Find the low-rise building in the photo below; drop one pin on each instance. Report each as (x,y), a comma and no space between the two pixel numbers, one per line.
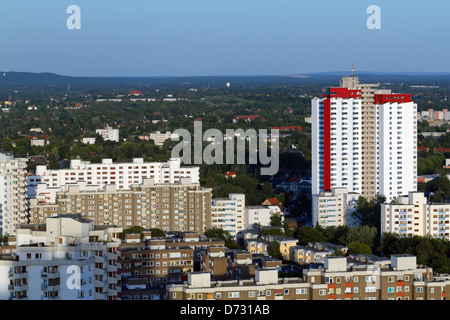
(413,215)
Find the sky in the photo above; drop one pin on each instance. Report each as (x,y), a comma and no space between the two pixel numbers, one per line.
(216,37)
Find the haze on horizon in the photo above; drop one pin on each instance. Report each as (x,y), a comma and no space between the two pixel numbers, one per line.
(211,38)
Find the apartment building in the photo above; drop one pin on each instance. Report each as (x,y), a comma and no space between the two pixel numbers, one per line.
(68,258)
(368,126)
(336,280)
(364,140)
(335,208)
(183,206)
(259,215)
(336,140)
(396,145)
(97,175)
(157,263)
(13,193)
(108,134)
(159,138)
(307,255)
(412,215)
(228,213)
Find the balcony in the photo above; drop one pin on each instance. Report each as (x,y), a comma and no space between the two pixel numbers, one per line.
(18,288)
(50,275)
(111,268)
(99,272)
(21,275)
(55,287)
(99,259)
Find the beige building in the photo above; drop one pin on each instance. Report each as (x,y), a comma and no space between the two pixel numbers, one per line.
(368,129)
(337,280)
(183,206)
(412,215)
(13,195)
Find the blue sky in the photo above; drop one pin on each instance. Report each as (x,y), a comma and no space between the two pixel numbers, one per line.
(214,37)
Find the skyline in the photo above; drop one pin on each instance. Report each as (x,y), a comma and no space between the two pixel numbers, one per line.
(199,38)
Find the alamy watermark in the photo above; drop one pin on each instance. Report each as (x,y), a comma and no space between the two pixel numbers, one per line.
(214,152)
(74,20)
(374,21)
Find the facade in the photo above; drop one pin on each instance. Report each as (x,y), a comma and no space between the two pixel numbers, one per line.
(228,213)
(13,196)
(259,215)
(336,280)
(108,134)
(412,216)
(183,206)
(335,208)
(157,263)
(67,258)
(368,127)
(88,140)
(365,140)
(159,138)
(396,141)
(96,175)
(336,143)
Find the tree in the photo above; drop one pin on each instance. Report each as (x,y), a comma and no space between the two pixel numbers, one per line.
(307,234)
(218,233)
(275,220)
(363,234)
(156,232)
(273,250)
(359,248)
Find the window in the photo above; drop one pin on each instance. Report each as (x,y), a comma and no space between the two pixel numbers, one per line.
(419,289)
(233,295)
(391,290)
(251,294)
(322,292)
(300,291)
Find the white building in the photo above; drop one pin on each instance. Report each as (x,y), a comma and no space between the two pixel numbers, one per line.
(88,140)
(396,142)
(412,216)
(259,215)
(65,259)
(342,158)
(228,213)
(13,194)
(99,174)
(159,138)
(336,145)
(335,208)
(109,134)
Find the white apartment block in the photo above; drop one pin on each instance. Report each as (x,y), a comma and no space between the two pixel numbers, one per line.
(97,175)
(88,140)
(412,216)
(380,158)
(159,138)
(108,134)
(335,208)
(336,145)
(396,142)
(228,213)
(65,259)
(259,215)
(13,193)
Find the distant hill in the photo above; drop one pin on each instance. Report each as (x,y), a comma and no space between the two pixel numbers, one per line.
(21,79)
